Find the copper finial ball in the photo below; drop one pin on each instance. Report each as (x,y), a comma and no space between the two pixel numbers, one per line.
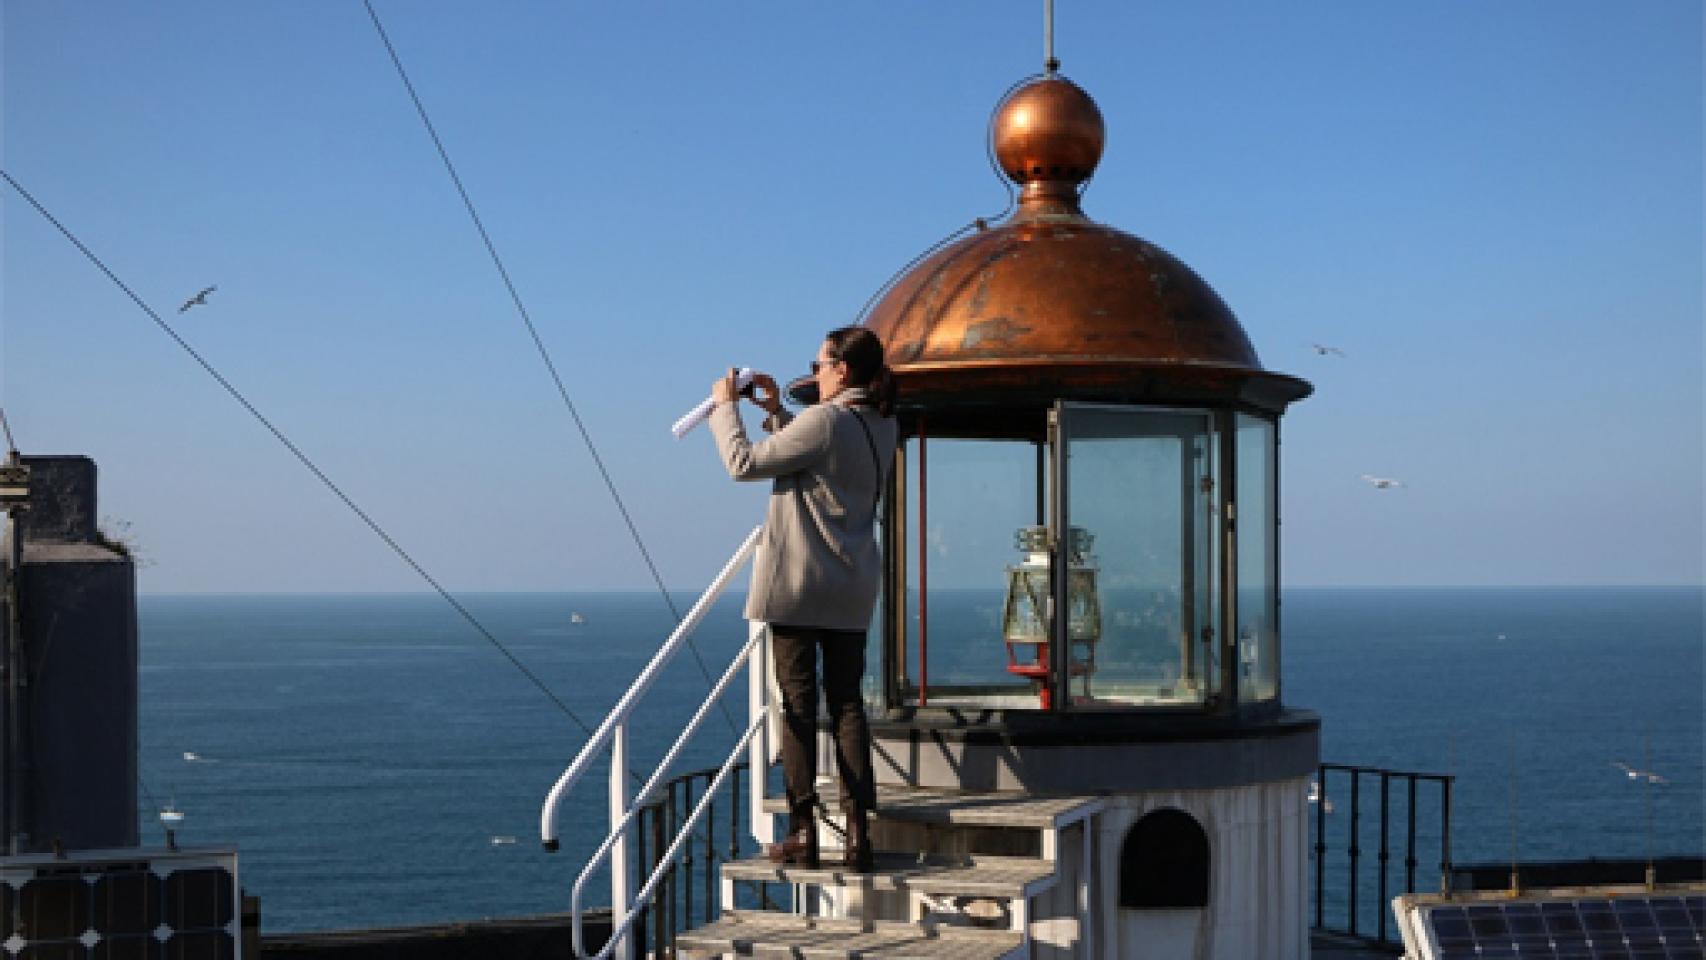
(1048,129)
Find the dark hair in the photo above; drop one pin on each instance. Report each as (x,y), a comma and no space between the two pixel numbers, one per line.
(862,351)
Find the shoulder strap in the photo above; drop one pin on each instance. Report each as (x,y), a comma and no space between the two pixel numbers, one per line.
(876,459)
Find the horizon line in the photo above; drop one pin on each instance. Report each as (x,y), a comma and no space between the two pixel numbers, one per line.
(642,591)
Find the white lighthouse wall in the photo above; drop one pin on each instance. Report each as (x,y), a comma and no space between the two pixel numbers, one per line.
(1055,916)
(1258,900)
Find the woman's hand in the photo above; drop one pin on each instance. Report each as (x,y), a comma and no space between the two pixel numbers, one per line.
(762,389)
(723,389)
(765,393)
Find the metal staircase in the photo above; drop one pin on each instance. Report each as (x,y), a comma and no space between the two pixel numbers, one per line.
(958,876)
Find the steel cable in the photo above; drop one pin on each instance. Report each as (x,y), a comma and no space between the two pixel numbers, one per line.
(297,452)
(539,344)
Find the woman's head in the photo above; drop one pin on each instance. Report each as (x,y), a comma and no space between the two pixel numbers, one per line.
(853,357)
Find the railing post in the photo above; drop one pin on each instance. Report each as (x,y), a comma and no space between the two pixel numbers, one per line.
(687,857)
(1385,852)
(734,819)
(1355,848)
(758,752)
(660,916)
(1410,845)
(1320,845)
(644,868)
(1445,837)
(620,890)
(710,854)
(670,887)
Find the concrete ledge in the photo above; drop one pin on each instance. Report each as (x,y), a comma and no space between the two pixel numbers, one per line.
(520,938)
(1085,754)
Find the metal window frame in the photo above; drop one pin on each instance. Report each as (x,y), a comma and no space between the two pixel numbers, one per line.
(1215,419)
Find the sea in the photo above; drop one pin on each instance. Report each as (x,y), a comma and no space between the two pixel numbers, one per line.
(377,761)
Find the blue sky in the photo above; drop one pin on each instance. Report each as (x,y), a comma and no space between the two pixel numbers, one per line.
(1494,209)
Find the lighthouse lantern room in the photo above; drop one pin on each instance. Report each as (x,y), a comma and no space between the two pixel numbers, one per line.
(1082,545)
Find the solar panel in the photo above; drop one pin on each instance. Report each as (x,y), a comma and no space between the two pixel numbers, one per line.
(1622,925)
(121,905)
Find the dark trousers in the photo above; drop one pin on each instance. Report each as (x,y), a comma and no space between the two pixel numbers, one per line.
(795,652)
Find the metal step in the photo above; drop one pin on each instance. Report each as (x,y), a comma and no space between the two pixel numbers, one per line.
(978,876)
(780,935)
(998,809)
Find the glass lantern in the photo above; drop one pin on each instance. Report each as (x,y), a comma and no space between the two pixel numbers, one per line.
(1026,613)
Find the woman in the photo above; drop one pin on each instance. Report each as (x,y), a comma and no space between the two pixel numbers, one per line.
(817,571)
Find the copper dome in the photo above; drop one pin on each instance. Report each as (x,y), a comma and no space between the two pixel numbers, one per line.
(1049,303)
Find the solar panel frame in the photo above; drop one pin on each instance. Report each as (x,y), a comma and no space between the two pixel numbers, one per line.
(1625,925)
(97,905)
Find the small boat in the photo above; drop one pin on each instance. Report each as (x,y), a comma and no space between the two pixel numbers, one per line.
(190,756)
(170,815)
(502,841)
(576,618)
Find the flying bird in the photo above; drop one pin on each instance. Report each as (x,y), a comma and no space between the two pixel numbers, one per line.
(1316,796)
(1324,350)
(199,300)
(1635,774)
(1383,483)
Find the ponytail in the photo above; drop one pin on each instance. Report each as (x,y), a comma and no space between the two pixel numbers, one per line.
(882,391)
(862,351)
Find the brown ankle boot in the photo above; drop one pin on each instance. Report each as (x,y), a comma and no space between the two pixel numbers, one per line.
(859,856)
(798,848)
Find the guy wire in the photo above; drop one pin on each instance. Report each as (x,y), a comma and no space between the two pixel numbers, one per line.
(297,452)
(10,443)
(544,355)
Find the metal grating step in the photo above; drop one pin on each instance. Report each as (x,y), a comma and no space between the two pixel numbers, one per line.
(978,876)
(918,805)
(778,935)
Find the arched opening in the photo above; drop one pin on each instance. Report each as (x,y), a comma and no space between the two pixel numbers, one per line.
(1164,862)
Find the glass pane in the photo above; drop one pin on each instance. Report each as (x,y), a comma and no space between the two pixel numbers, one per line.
(1258,567)
(1140,483)
(871,684)
(978,494)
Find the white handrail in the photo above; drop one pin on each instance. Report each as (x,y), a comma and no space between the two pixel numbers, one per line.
(665,862)
(613,732)
(620,829)
(625,706)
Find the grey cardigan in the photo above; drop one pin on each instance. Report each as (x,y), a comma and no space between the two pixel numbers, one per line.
(818,563)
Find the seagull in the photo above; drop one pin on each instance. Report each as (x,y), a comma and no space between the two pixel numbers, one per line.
(199,300)
(1635,774)
(1383,483)
(1324,350)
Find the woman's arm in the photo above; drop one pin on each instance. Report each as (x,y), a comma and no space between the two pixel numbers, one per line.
(801,443)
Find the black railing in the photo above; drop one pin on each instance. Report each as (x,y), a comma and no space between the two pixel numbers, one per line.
(1348,828)
(690,893)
